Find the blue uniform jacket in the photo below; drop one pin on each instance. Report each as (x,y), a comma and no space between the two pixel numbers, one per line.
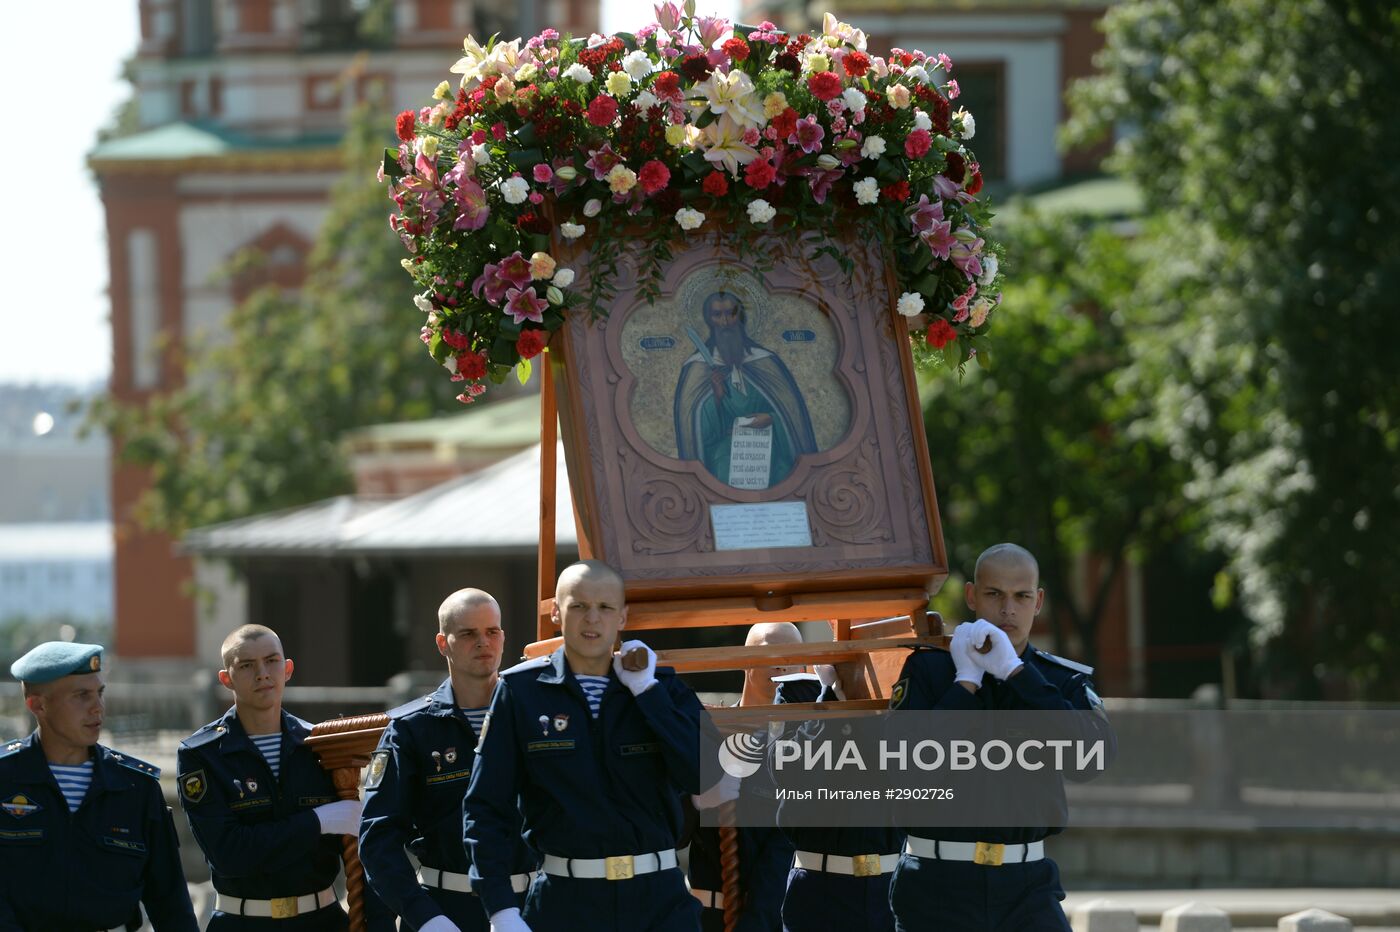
(586,788)
(259,835)
(88,869)
(1046,682)
(414,789)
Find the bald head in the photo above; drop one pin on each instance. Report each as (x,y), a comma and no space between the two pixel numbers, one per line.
(245,635)
(462,604)
(1006,557)
(591,572)
(775,632)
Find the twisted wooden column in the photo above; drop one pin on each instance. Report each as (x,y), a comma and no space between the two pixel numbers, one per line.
(344,746)
(729,865)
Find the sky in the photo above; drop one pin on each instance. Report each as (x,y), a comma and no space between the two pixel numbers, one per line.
(53,281)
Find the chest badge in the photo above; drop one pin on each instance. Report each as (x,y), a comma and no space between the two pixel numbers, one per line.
(252,785)
(544,725)
(193,786)
(561,722)
(450,755)
(20,806)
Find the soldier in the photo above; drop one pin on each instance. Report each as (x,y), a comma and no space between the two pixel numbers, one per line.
(595,748)
(765,854)
(86,837)
(418,776)
(990,878)
(262,809)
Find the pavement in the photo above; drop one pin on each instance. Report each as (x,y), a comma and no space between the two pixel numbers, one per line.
(1375,910)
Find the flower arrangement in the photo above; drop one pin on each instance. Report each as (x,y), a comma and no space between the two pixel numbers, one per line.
(689,127)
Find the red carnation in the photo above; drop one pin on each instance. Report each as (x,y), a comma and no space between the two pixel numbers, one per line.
(736,48)
(785,123)
(531,343)
(917,143)
(897,192)
(760,174)
(975,185)
(956,169)
(824,85)
(602,110)
(471,365)
(403,125)
(654,176)
(667,84)
(856,63)
(696,67)
(787,62)
(940,334)
(715,184)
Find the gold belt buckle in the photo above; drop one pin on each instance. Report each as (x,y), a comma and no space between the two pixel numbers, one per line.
(284,907)
(866,865)
(989,853)
(619,867)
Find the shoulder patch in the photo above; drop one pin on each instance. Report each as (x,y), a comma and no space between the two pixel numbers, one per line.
(1067,664)
(132,763)
(408,708)
(898,692)
(525,665)
(193,786)
(374,773)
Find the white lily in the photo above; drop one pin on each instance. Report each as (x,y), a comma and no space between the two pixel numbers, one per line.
(831,26)
(732,95)
(469,65)
(724,145)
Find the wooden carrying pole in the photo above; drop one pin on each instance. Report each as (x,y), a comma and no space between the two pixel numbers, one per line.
(344,746)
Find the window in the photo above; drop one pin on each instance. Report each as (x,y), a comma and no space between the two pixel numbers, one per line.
(983,88)
(197,27)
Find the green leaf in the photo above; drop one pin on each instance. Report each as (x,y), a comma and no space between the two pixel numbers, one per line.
(706,118)
(952,353)
(522,371)
(392,168)
(525,158)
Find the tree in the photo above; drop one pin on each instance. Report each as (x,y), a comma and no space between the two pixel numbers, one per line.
(1263,135)
(258,422)
(1042,446)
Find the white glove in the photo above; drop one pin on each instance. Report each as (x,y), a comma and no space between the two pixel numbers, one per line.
(722,792)
(342,818)
(638,681)
(440,924)
(1001,661)
(827,674)
(508,920)
(965,636)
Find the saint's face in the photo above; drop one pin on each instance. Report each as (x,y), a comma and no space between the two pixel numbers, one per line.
(723,313)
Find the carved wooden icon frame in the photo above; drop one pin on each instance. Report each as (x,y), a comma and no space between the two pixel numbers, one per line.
(865,489)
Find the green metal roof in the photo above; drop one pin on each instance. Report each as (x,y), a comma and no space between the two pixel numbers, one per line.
(192,141)
(508,423)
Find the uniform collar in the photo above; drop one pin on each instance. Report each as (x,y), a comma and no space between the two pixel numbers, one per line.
(444,700)
(29,762)
(237,736)
(557,671)
(34,767)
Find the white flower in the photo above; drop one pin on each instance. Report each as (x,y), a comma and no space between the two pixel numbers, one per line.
(968,123)
(563,278)
(515,190)
(570,230)
(911,304)
(592,208)
(421,302)
(855,99)
(637,65)
(867,191)
(917,73)
(527,73)
(733,95)
(689,218)
(827,162)
(921,120)
(873,147)
(989,269)
(450,363)
(645,101)
(481,155)
(760,211)
(621,179)
(579,73)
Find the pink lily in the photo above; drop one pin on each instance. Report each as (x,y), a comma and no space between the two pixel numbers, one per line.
(523,304)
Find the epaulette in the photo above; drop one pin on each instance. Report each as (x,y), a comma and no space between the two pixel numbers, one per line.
(524,665)
(1067,664)
(204,736)
(408,708)
(133,763)
(11,748)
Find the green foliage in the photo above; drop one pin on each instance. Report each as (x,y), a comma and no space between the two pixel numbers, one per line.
(1264,137)
(1042,447)
(267,398)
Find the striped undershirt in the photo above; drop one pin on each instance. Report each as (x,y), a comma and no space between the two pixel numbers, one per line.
(73,781)
(476,718)
(593,687)
(271,748)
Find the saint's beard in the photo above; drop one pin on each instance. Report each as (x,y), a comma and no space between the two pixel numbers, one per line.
(731,345)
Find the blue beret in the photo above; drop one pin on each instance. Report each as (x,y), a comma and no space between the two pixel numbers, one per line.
(56,659)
